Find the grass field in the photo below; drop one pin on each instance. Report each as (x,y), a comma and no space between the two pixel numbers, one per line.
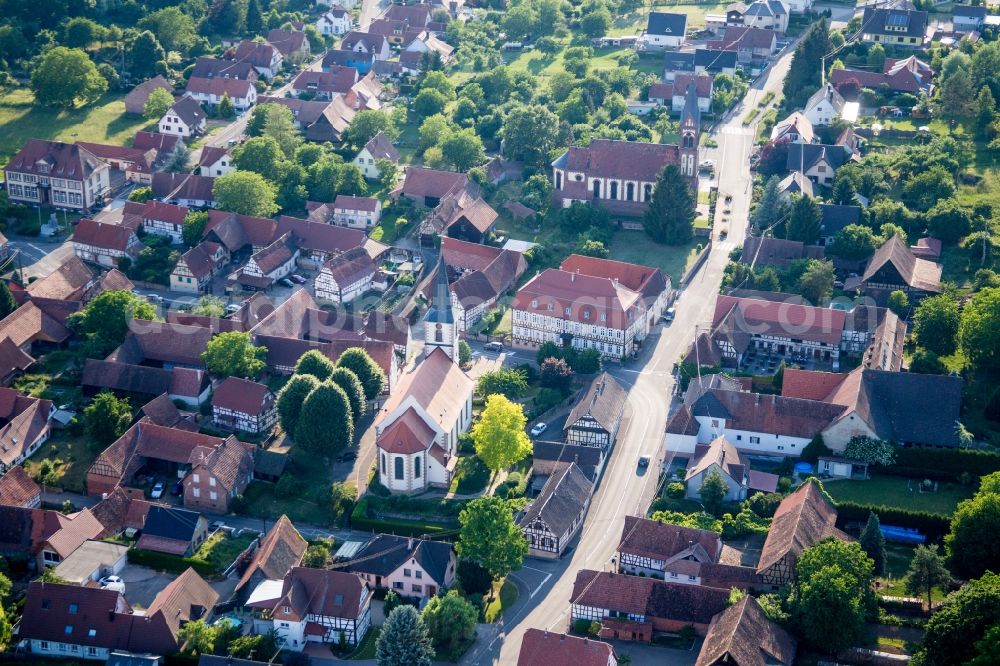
(366,650)
(899,492)
(222,550)
(893,584)
(75,456)
(502,600)
(103,122)
(471,476)
(635,247)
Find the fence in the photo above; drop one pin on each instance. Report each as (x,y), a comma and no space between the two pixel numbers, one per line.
(698,263)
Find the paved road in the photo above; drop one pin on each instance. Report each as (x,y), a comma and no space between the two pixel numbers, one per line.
(623,490)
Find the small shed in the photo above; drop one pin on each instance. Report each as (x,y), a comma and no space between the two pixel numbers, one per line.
(834,467)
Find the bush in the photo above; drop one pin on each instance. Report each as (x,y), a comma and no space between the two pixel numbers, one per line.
(942,464)
(472,578)
(676,490)
(361,520)
(933,525)
(765,504)
(169,563)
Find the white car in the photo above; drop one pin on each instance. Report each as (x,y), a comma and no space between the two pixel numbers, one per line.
(538,429)
(157,491)
(114,583)
(707,165)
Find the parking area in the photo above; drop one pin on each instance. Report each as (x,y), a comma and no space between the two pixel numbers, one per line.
(765,363)
(143,584)
(488,361)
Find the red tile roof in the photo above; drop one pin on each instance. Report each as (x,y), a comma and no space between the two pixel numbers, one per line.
(336,81)
(164,212)
(782,319)
(810,384)
(347,202)
(187,597)
(650,538)
(243,395)
(802,519)
(235,88)
(66,283)
(154,140)
(422,182)
(19,489)
(743,635)
(407,434)
(589,300)
(552,649)
(53,159)
(101,235)
(689,604)
(630,160)
(281,549)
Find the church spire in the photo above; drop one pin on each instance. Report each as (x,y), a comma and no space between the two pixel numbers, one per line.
(440,311)
(440,329)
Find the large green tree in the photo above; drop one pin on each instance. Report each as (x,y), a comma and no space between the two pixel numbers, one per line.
(463,150)
(972,544)
(62,77)
(670,213)
(771,207)
(107,418)
(928,570)
(174,29)
(157,104)
(366,124)
(490,537)
(451,621)
(7,302)
(232,354)
(145,53)
(290,400)
(713,492)
(315,363)
(507,381)
(979,330)
(246,193)
(499,434)
(404,640)
(372,377)
(530,133)
(804,220)
(349,382)
(962,620)
(194,227)
(104,321)
(873,542)
(325,425)
(816,283)
(803,76)
(936,323)
(81,33)
(854,242)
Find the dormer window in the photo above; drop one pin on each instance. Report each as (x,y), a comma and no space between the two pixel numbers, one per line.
(286,610)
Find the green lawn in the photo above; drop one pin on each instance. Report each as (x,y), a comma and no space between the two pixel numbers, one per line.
(70,458)
(366,650)
(635,247)
(899,492)
(221,551)
(504,600)
(102,122)
(898,562)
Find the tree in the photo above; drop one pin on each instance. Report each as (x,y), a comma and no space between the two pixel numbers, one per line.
(104,321)
(325,425)
(804,220)
(366,124)
(450,621)
(979,331)
(669,216)
(972,545)
(107,418)
(870,450)
(352,387)
(174,29)
(957,91)
(962,620)
(144,55)
(506,381)
(279,124)
(530,133)
(290,400)
(854,242)
(816,283)
(596,22)
(771,207)
(713,492)
(157,104)
(873,543)
(490,537)
(499,434)
(210,306)
(263,155)
(368,371)
(520,21)
(388,174)
(255,19)
(927,570)
(922,191)
(429,102)
(463,149)
(226,108)
(926,362)
(316,556)
(197,637)
(593,248)
(803,76)
(227,17)
(987,648)
(232,354)
(81,32)
(948,221)
(936,324)
(194,227)
(245,193)
(404,640)
(986,111)
(899,303)
(315,363)
(555,373)
(7,302)
(64,77)
(464,353)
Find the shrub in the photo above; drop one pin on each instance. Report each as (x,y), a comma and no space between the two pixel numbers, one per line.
(676,490)
(472,578)
(933,525)
(942,464)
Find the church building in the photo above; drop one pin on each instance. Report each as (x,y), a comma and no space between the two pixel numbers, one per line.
(418,428)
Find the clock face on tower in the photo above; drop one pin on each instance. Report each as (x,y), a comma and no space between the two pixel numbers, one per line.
(438,335)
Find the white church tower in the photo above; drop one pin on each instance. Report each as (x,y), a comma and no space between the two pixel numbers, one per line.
(439,322)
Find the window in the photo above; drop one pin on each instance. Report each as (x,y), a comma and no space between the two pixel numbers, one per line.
(398,585)
(417,588)
(211,481)
(398,463)
(212,495)
(91,633)
(754,440)
(196,492)
(73,608)
(44,645)
(407,573)
(416,467)
(69,629)
(383,463)
(91,652)
(286,609)
(715,423)
(418,574)
(567,310)
(197,479)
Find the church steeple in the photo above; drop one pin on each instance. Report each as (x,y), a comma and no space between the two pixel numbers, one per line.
(690,128)
(439,322)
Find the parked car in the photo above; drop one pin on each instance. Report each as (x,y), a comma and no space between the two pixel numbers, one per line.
(539,429)
(285,282)
(157,491)
(493,347)
(347,456)
(114,583)
(707,165)
(176,489)
(643,461)
(668,316)
(296,278)
(233,308)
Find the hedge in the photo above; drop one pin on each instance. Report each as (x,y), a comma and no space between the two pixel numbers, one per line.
(942,464)
(169,563)
(933,525)
(361,520)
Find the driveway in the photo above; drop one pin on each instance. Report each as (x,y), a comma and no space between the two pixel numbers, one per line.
(143,584)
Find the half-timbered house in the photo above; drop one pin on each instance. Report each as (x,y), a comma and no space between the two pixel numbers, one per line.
(195,269)
(345,277)
(667,551)
(104,244)
(164,219)
(596,417)
(556,515)
(895,267)
(244,405)
(416,568)
(742,635)
(268,265)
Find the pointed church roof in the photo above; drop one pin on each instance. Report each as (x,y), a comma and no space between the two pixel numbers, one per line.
(440,311)
(691,109)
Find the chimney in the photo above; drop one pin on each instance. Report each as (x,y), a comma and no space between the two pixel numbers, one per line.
(409,543)
(572,277)
(104,496)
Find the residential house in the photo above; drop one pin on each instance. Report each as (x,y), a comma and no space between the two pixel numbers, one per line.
(135,100)
(104,243)
(538,646)
(825,107)
(632,607)
(752,45)
(461,214)
(597,415)
(345,277)
(274,556)
(418,15)
(364,42)
(173,531)
(673,95)
(92,561)
(292,44)
(666,551)
(356,212)
(322,120)
(135,165)
(699,61)
(222,68)
(263,56)
(184,189)
(325,85)
(215,161)
(58,536)
(621,175)
(268,265)
(335,21)
(241,92)
(665,30)
(13,361)
(163,144)
(767,14)
(188,385)
(425,42)
(796,128)
(795,183)
(315,606)
(414,568)
(363,61)
(553,519)
(220,475)
(185,118)
(818,162)
(379,147)
(33,330)
(244,405)
(733,466)
(907,75)
(777,252)
(803,519)
(17,488)
(894,26)
(426,187)
(57,174)
(833,219)
(478,276)
(968,18)
(652,283)
(196,268)
(163,344)
(24,426)
(163,219)
(742,635)
(894,267)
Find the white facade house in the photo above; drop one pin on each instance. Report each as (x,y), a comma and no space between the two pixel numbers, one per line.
(163,219)
(345,277)
(104,244)
(185,118)
(379,147)
(825,107)
(242,93)
(415,568)
(665,30)
(215,162)
(356,212)
(57,174)
(337,21)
